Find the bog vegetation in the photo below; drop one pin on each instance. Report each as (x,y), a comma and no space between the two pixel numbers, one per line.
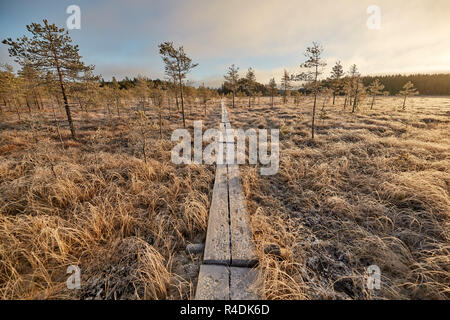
(86,177)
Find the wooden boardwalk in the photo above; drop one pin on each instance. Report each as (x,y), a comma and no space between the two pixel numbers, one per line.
(230,255)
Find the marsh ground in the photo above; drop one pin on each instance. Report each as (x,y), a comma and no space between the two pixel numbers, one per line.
(372,188)
(99,203)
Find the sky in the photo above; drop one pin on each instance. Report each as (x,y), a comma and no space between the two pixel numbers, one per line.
(121,37)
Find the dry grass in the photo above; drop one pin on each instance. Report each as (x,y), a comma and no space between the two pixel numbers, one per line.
(373,188)
(97,203)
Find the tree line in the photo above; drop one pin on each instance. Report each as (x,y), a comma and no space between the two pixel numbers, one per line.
(427,84)
(350,85)
(51,67)
(52,72)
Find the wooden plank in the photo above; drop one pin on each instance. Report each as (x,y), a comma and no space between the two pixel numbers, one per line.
(213,283)
(224,136)
(224,115)
(243,284)
(243,253)
(217,245)
(227,126)
(230,147)
(229,247)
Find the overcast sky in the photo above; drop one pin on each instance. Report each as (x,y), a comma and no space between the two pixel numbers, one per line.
(121,37)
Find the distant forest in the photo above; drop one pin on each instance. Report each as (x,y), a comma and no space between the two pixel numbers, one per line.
(427,84)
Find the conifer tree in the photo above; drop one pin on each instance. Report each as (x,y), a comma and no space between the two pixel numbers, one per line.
(375,89)
(116,94)
(142,91)
(85,92)
(50,49)
(204,95)
(250,84)
(314,66)
(408,90)
(297,97)
(30,80)
(232,78)
(272,89)
(355,85)
(177,66)
(7,87)
(347,89)
(286,84)
(336,79)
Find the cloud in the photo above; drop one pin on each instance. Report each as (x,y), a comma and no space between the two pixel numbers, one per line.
(264,34)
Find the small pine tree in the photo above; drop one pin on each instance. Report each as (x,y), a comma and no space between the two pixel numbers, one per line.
(347,89)
(408,90)
(177,66)
(250,84)
(297,97)
(355,86)
(9,88)
(326,93)
(375,89)
(359,93)
(30,78)
(142,91)
(50,49)
(286,80)
(232,78)
(313,65)
(336,79)
(205,96)
(272,89)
